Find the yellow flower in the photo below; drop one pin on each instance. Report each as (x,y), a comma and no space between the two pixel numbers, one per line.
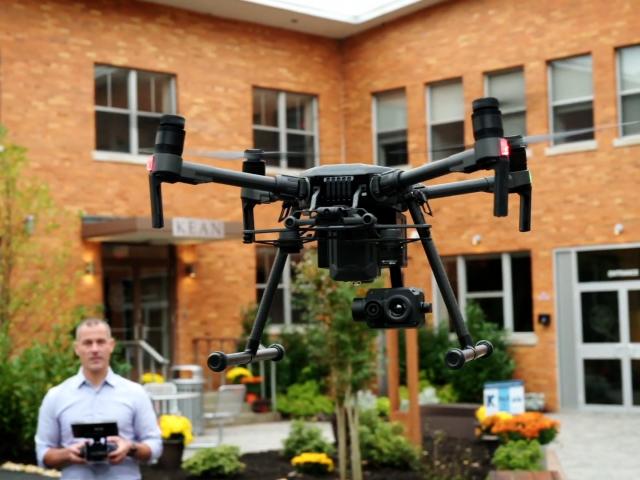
(307,459)
(178,425)
(481,413)
(237,373)
(151,377)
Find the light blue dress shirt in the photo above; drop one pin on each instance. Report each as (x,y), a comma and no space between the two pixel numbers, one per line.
(76,400)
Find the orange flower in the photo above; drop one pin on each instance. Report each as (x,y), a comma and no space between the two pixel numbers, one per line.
(527,426)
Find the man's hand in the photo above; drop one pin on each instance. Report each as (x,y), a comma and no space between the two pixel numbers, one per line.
(122,449)
(75,453)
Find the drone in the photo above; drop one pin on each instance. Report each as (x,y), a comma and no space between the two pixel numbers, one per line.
(355,213)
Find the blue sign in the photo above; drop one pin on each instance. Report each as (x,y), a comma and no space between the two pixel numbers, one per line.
(507,396)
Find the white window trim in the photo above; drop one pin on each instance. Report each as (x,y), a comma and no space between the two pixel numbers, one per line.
(571,147)
(376,132)
(431,123)
(282,131)
(285,286)
(133,155)
(619,96)
(560,103)
(627,140)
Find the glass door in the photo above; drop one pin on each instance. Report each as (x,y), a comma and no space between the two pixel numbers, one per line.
(608,346)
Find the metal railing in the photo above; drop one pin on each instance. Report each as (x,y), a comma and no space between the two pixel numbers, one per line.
(144,358)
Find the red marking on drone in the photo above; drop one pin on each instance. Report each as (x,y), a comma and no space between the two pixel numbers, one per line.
(151,163)
(504,147)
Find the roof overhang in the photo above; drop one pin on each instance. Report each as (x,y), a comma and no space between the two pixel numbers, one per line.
(178,230)
(317,19)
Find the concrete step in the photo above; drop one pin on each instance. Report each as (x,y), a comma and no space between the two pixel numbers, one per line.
(246,417)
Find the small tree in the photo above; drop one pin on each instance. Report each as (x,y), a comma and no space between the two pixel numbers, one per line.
(346,347)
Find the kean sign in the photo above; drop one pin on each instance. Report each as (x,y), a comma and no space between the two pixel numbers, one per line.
(505,396)
(197,228)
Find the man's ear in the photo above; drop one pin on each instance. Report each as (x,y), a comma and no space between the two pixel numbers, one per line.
(75,347)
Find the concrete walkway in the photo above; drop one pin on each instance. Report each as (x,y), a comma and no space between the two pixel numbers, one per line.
(596,446)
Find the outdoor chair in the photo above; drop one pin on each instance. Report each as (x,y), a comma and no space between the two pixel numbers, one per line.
(164,397)
(228,406)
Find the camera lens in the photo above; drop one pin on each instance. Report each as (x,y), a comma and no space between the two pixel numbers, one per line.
(373,309)
(398,308)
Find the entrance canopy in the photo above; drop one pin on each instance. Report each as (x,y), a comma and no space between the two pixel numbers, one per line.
(177,230)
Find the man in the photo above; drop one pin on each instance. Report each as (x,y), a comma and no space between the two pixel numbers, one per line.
(96,395)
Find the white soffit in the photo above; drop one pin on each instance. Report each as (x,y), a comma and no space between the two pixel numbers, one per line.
(329,18)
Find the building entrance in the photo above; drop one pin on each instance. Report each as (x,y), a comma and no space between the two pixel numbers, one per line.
(606,313)
(138,288)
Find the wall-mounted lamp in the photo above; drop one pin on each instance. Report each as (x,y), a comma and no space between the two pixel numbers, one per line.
(476,239)
(190,270)
(544,319)
(89,268)
(618,228)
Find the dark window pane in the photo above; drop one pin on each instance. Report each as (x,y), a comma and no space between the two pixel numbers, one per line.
(300,151)
(573,117)
(154,92)
(265,256)
(634,315)
(514,124)
(446,139)
(600,321)
(265,107)
(392,148)
(299,111)
(603,381)
(613,265)
(119,88)
(276,314)
(268,141)
(631,113)
(112,132)
(492,308)
(484,274)
(635,380)
(521,288)
(147,127)
(101,75)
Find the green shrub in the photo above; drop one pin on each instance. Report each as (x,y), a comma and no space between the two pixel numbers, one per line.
(384,445)
(304,400)
(305,438)
(220,461)
(518,455)
(383,407)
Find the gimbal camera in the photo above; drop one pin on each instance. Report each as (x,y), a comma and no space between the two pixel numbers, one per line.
(355,213)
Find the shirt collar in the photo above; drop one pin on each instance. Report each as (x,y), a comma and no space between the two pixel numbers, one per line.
(111,379)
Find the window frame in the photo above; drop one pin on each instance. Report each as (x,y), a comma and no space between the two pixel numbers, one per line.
(282,130)
(620,94)
(376,132)
(430,123)
(576,100)
(508,111)
(132,112)
(506,294)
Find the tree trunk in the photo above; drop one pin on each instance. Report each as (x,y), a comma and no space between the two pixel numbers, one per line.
(354,437)
(342,440)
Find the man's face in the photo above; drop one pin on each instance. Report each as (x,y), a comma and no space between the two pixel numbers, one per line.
(94,347)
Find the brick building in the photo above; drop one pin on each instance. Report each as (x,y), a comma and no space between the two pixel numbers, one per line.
(82,85)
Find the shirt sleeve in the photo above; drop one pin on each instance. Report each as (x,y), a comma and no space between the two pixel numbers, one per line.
(48,432)
(146,427)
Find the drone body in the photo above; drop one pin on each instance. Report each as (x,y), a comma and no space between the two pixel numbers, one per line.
(355,213)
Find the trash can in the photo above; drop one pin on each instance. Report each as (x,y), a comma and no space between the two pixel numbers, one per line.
(190,394)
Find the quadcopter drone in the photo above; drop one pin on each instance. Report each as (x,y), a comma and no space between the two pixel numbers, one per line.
(355,214)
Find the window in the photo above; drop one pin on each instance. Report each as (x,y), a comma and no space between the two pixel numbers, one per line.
(500,284)
(129,104)
(572,98)
(282,312)
(285,122)
(446,119)
(629,90)
(390,114)
(508,88)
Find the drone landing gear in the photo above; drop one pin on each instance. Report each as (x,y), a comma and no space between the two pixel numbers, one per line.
(456,357)
(289,242)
